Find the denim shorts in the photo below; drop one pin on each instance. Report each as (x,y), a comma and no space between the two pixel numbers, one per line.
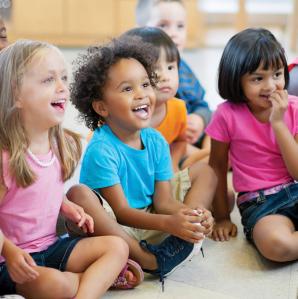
(284,202)
(56,256)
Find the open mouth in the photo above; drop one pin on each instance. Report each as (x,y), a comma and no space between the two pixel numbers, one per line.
(60,104)
(141,111)
(265,97)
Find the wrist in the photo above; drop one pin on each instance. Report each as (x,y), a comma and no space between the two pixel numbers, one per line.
(165,223)
(278,125)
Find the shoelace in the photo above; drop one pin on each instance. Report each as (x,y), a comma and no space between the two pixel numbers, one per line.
(161,275)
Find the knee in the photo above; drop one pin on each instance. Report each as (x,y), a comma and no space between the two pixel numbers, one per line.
(201,170)
(277,249)
(79,193)
(118,246)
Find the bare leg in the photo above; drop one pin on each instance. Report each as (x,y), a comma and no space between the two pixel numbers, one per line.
(195,156)
(203,186)
(105,225)
(276,238)
(92,257)
(66,285)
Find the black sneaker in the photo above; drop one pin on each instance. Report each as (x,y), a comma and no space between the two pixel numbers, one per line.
(170,254)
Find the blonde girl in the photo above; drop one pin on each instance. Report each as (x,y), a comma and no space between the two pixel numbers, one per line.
(37,156)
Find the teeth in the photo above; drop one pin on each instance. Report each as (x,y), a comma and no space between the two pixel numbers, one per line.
(140,107)
(58,102)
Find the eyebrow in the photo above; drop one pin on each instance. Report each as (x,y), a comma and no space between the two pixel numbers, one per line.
(129,81)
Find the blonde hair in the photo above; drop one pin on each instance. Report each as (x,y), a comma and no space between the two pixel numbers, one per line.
(144,7)
(67,146)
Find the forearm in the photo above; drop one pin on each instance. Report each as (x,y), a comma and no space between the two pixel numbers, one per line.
(141,219)
(169,207)
(220,204)
(8,246)
(288,148)
(178,151)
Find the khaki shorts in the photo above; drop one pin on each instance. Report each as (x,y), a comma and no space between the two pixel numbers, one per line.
(180,185)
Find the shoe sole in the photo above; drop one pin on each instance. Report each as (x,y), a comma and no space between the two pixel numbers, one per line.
(182,263)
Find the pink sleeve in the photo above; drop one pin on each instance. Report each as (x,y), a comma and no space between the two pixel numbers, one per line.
(5,169)
(218,126)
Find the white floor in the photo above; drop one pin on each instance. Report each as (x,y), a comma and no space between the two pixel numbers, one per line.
(229,270)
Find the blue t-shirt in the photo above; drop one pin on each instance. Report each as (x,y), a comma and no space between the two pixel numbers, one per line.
(108,161)
(191,91)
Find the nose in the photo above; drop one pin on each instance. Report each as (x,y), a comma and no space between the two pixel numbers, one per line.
(140,93)
(163,76)
(171,32)
(61,85)
(270,84)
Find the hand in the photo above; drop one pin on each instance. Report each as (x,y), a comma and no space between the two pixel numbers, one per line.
(183,224)
(20,265)
(77,214)
(223,230)
(279,100)
(195,128)
(207,222)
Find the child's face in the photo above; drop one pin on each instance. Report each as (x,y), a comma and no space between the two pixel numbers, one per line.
(128,97)
(44,92)
(3,36)
(168,79)
(170,17)
(260,85)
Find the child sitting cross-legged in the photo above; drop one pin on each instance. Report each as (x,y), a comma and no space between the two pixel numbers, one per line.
(35,160)
(128,164)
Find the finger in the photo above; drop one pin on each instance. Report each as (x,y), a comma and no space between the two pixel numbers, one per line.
(221,236)
(215,236)
(30,265)
(234,231)
(19,275)
(90,224)
(29,259)
(82,220)
(226,234)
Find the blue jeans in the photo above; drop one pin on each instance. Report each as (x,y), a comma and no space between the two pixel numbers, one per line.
(284,202)
(56,256)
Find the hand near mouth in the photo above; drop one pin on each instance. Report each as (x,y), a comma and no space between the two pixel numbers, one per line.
(279,100)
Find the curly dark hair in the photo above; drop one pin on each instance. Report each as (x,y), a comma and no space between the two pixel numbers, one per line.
(92,70)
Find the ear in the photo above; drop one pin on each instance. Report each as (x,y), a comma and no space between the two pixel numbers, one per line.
(100,108)
(18,103)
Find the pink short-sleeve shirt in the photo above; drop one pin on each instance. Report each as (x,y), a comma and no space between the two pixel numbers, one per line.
(254,153)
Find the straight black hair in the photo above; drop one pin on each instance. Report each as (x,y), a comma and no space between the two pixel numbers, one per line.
(159,39)
(243,54)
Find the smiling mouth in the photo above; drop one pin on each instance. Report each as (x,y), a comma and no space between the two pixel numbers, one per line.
(58,104)
(142,111)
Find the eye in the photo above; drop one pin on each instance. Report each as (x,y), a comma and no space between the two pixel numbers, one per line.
(48,80)
(180,26)
(146,84)
(126,89)
(278,74)
(65,78)
(171,67)
(162,25)
(256,79)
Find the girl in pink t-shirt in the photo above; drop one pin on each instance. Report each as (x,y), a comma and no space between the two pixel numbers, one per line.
(36,157)
(257,128)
